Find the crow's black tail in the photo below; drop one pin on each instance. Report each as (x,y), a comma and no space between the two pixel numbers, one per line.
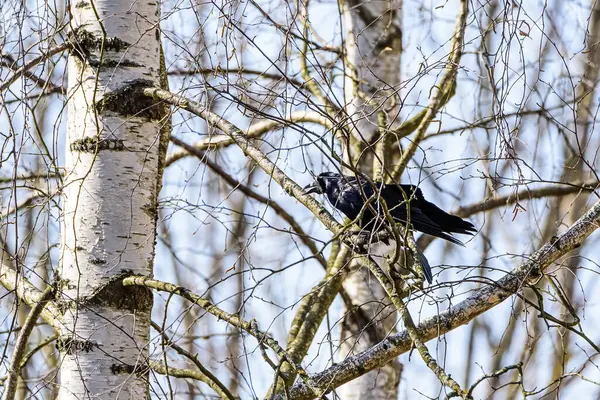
(426,267)
(421,222)
(447,222)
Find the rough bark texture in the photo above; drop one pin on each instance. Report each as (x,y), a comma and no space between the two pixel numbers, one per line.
(460,314)
(373,48)
(112,181)
(373,51)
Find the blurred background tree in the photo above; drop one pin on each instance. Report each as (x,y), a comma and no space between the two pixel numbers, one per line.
(488,106)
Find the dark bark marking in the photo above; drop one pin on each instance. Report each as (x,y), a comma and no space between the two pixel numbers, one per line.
(129,100)
(71,346)
(93,144)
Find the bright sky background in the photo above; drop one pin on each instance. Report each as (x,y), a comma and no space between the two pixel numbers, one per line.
(449,169)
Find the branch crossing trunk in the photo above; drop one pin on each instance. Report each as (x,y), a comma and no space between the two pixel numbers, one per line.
(112,180)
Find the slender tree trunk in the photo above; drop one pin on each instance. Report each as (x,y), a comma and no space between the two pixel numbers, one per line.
(373,48)
(112,179)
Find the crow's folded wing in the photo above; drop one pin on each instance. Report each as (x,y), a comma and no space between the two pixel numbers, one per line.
(425,214)
(422,223)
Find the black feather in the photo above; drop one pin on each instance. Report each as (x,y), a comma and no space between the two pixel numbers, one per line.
(406,204)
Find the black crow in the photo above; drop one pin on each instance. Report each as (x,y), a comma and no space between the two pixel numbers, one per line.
(349,195)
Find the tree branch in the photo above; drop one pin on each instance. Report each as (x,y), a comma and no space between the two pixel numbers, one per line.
(162,369)
(20,346)
(279,210)
(253,132)
(413,333)
(203,374)
(441,94)
(46,175)
(310,315)
(309,82)
(514,198)
(218,70)
(24,290)
(481,123)
(458,315)
(496,374)
(260,158)
(46,85)
(28,201)
(527,194)
(248,326)
(35,61)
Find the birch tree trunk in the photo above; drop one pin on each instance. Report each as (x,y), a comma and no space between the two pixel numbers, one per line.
(113,171)
(373,48)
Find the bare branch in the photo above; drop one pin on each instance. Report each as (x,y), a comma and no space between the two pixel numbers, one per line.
(203,374)
(515,198)
(496,374)
(35,61)
(189,373)
(29,200)
(309,82)
(260,158)
(527,194)
(255,131)
(441,93)
(10,179)
(24,290)
(413,333)
(248,326)
(21,344)
(311,313)
(279,210)
(460,314)
(481,123)
(237,71)
(46,85)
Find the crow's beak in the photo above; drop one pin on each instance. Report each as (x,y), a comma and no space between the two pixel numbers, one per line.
(312,188)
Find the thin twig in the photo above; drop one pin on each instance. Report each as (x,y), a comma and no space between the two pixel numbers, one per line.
(24,290)
(268,166)
(10,179)
(218,70)
(20,346)
(248,326)
(458,315)
(441,93)
(246,145)
(527,194)
(37,348)
(413,332)
(28,201)
(515,198)
(255,131)
(309,82)
(310,314)
(205,375)
(496,374)
(35,61)
(162,369)
(279,210)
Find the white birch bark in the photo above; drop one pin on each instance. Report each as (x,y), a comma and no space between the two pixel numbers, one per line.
(373,48)
(373,54)
(109,201)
